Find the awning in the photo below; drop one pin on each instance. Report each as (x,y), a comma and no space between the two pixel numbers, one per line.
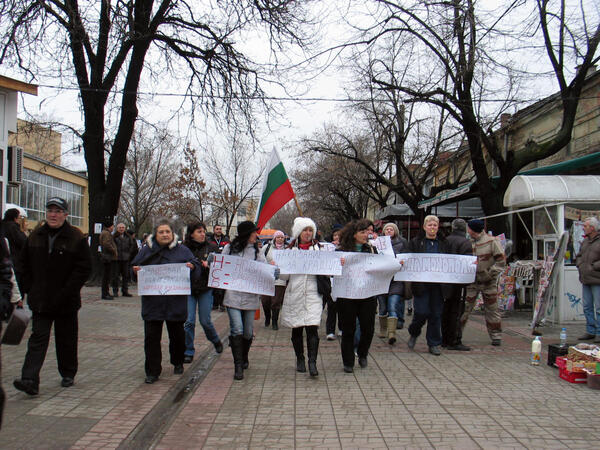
(573,166)
(468,208)
(400,209)
(446,195)
(528,190)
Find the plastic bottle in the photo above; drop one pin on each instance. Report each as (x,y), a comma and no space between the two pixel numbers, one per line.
(563,337)
(536,351)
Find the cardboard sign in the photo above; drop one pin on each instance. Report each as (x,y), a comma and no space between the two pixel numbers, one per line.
(383,244)
(244,275)
(437,268)
(364,275)
(308,262)
(164,279)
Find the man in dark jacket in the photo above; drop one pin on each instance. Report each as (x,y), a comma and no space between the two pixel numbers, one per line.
(126,248)
(428,297)
(588,265)
(55,264)
(109,256)
(458,244)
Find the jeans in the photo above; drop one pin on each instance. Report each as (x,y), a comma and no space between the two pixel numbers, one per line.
(349,310)
(204,303)
(591,301)
(428,308)
(241,321)
(389,306)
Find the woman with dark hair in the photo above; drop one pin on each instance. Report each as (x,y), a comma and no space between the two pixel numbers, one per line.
(303,303)
(162,248)
(201,297)
(242,305)
(355,238)
(272,304)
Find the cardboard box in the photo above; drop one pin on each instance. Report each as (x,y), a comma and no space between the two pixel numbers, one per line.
(580,366)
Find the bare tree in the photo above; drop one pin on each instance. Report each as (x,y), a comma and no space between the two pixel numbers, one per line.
(284,218)
(233,176)
(110,49)
(151,165)
(465,71)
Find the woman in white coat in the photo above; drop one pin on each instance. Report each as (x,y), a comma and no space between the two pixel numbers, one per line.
(302,303)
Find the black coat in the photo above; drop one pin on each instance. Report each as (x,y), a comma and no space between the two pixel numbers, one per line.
(165,307)
(53,280)
(201,250)
(399,245)
(417,245)
(458,244)
(16,238)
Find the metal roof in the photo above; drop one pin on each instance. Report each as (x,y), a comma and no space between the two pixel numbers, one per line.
(529,190)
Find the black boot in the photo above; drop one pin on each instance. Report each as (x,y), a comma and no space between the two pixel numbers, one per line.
(299,350)
(312,347)
(246,346)
(237,350)
(267,315)
(275,319)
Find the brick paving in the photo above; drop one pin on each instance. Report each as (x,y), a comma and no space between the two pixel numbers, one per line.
(487,398)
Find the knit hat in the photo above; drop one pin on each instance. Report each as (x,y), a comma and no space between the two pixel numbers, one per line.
(476,225)
(278,233)
(246,228)
(394,226)
(300,223)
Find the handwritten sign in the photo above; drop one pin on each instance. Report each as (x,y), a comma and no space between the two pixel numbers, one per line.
(244,275)
(164,279)
(327,246)
(364,275)
(383,244)
(308,262)
(437,268)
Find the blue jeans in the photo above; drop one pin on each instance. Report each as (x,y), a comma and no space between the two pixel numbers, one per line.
(241,321)
(428,308)
(204,304)
(591,301)
(391,306)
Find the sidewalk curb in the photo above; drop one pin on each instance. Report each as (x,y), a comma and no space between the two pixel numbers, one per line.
(152,428)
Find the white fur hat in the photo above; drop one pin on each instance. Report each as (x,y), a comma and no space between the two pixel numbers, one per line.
(300,223)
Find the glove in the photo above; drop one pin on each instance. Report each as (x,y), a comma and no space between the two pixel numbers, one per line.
(277,273)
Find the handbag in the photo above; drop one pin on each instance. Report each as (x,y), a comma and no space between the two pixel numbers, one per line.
(16,326)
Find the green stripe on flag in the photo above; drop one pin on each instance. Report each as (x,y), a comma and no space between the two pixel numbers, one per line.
(277,177)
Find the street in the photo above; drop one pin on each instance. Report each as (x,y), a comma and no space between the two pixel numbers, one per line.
(490,397)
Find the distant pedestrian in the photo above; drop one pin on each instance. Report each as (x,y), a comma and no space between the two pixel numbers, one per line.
(355,238)
(332,315)
(201,298)
(220,240)
(454,303)
(302,302)
(108,255)
(55,264)
(428,297)
(241,306)
(162,248)
(588,264)
(11,230)
(126,250)
(490,264)
(391,306)
(272,304)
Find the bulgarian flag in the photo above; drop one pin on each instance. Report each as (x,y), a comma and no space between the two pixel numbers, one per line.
(276,192)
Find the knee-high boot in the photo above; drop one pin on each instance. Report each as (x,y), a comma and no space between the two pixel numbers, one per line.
(312,347)
(246,347)
(383,326)
(299,350)
(275,319)
(237,350)
(391,329)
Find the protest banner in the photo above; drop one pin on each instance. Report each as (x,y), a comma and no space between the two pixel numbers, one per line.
(164,279)
(244,275)
(327,246)
(308,262)
(437,268)
(383,244)
(364,275)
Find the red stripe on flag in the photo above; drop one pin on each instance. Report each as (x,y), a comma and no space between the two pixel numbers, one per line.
(275,202)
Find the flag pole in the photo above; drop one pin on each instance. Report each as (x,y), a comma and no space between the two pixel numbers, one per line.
(298,206)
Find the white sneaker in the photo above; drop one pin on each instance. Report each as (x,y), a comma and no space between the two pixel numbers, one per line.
(339,332)
(331,337)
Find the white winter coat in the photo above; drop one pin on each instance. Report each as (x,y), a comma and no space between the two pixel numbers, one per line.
(243,300)
(302,303)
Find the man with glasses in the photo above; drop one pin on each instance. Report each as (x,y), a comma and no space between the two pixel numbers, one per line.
(55,263)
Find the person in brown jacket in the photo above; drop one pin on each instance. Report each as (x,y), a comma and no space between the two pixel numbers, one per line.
(109,256)
(490,264)
(588,264)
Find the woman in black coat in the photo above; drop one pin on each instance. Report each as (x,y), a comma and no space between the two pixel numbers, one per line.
(162,248)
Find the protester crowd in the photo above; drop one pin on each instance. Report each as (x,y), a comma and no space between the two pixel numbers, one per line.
(51,265)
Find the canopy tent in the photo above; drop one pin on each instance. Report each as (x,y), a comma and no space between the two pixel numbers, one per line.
(529,190)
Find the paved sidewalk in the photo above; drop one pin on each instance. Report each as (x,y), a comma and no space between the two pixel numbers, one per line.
(487,398)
